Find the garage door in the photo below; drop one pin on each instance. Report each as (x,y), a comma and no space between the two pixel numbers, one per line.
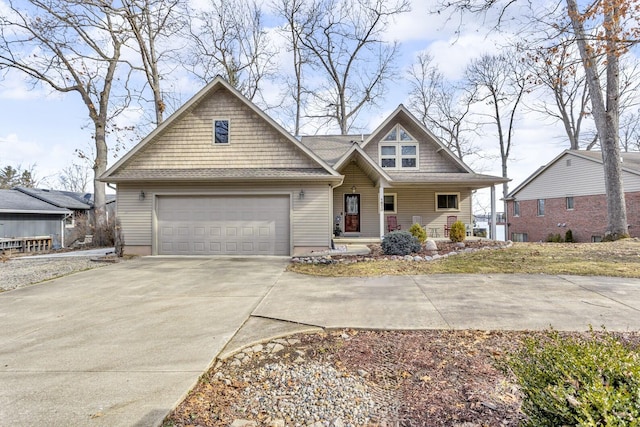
(223,225)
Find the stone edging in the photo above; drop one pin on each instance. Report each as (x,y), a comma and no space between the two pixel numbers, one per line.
(351,259)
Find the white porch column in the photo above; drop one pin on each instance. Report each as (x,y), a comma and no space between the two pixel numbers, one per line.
(492,228)
(381,208)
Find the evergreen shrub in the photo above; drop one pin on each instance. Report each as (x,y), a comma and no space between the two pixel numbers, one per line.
(400,242)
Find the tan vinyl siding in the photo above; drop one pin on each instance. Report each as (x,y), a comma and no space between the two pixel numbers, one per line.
(411,201)
(135,215)
(310,217)
(582,178)
(430,160)
(420,201)
(188,142)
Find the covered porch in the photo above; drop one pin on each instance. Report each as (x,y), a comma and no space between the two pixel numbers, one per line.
(369,203)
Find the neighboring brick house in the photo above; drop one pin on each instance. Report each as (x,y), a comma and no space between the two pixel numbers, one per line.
(569,194)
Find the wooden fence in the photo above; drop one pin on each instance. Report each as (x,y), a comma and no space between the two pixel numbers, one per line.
(26,244)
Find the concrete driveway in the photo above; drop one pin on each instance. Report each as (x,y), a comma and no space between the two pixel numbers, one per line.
(120,345)
(462,301)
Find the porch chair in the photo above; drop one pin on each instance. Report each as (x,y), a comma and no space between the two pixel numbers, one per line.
(450,220)
(392,223)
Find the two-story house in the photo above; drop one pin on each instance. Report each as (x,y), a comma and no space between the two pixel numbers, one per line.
(222,177)
(568,193)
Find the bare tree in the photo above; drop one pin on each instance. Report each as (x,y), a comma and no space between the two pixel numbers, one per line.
(75,177)
(344,39)
(500,81)
(557,70)
(615,28)
(291,11)
(630,131)
(441,106)
(69,46)
(154,25)
(229,39)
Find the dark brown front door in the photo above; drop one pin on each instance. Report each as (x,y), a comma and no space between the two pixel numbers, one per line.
(351,213)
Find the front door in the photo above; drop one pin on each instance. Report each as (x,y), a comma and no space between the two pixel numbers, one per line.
(351,213)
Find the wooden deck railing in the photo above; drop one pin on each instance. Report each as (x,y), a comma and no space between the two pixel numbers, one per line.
(26,244)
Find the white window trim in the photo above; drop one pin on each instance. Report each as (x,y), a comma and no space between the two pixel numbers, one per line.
(516,203)
(213,134)
(573,203)
(447,209)
(544,207)
(395,202)
(73,220)
(398,156)
(398,144)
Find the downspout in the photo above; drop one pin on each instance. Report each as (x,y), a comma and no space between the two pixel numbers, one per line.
(381,208)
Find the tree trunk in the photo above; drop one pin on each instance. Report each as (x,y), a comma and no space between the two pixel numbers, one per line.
(606,117)
(99,167)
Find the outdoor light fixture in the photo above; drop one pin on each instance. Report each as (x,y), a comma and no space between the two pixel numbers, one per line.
(141,196)
(301,194)
(353,189)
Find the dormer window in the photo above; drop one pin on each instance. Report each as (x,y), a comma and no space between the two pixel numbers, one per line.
(398,150)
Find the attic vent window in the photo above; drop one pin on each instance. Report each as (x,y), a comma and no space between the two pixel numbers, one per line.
(220,132)
(568,162)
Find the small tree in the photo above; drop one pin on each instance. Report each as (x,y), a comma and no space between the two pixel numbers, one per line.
(458,231)
(418,232)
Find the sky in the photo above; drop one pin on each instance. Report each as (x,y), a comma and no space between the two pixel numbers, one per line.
(43,129)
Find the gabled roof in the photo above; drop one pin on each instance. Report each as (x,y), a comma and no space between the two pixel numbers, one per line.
(331,148)
(630,163)
(357,153)
(61,199)
(198,97)
(402,111)
(13,201)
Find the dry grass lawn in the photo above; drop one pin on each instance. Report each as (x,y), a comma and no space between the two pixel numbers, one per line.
(619,259)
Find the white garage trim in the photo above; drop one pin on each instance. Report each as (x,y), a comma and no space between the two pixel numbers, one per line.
(245,223)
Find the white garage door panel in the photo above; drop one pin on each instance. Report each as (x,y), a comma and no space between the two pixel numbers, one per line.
(223,225)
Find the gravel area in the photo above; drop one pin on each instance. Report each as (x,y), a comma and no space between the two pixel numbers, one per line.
(23,271)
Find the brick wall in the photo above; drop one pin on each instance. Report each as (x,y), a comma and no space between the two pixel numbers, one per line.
(588,217)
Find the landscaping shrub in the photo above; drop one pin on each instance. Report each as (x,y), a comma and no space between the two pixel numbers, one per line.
(612,237)
(568,236)
(554,238)
(458,231)
(104,234)
(400,243)
(588,381)
(418,232)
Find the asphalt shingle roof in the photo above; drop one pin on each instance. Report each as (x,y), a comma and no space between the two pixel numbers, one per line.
(62,199)
(13,201)
(225,173)
(629,160)
(332,147)
(443,177)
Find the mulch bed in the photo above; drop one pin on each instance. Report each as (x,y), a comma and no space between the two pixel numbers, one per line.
(430,378)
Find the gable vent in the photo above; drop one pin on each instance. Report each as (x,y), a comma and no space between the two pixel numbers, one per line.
(568,162)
